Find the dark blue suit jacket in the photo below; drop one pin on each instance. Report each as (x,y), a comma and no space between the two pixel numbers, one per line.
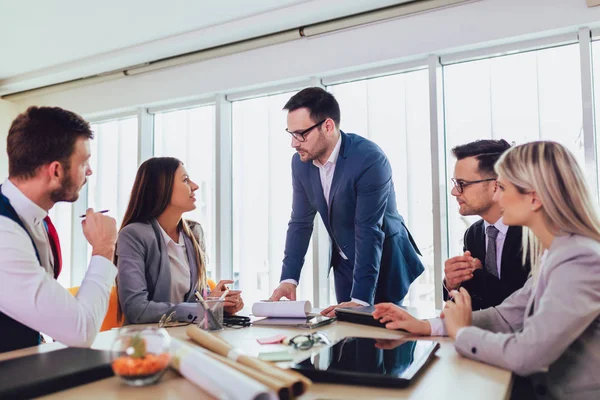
(362,221)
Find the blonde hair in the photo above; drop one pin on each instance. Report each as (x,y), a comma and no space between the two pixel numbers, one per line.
(551,170)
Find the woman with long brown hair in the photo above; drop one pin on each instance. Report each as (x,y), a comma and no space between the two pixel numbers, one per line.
(160,256)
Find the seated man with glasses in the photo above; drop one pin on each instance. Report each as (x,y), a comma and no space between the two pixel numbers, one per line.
(348,180)
(491,267)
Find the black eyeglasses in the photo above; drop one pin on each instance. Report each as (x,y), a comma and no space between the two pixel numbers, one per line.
(301,136)
(460,185)
(305,342)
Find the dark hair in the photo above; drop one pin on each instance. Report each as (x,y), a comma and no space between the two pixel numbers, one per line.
(150,196)
(42,135)
(487,152)
(320,103)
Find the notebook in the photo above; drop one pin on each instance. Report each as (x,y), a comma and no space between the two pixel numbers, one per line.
(45,373)
(309,323)
(358,315)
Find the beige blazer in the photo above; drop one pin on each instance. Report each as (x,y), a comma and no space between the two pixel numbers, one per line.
(549,330)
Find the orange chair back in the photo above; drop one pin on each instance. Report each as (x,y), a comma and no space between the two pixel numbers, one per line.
(110,320)
(211,284)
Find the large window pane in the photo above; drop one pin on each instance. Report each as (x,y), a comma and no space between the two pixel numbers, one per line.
(189,135)
(393,111)
(596,76)
(262,197)
(114,164)
(520,98)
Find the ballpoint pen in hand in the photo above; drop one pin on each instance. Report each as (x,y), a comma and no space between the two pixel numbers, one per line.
(225,293)
(101,212)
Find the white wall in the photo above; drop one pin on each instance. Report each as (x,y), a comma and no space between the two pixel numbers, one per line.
(472,25)
(8,112)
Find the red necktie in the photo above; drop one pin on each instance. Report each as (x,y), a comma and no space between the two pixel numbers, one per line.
(55,245)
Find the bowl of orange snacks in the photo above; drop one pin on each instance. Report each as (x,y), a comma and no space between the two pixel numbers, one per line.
(140,355)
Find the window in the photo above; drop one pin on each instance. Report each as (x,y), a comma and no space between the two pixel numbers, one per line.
(262,197)
(114,165)
(189,135)
(393,111)
(522,97)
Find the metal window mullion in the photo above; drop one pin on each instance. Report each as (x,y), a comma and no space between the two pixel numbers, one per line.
(223,190)
(145,135)
(438,174)
(321,251)
(587,93)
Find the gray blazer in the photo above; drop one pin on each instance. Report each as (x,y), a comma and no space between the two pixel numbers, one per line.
(144,275)
(549,330)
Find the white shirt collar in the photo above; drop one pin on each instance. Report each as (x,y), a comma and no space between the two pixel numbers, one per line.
(168,238)
(499,225)
(334,154)
(28,211)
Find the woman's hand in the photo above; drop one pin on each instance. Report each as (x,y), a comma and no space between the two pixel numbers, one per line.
(457,313)
(220,287)
(233,302)
(395,317)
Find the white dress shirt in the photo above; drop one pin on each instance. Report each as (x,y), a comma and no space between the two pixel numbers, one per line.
(326,172)
(32,296)
(180,267)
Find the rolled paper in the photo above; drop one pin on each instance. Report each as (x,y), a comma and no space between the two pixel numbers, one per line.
(299,383)
(215,377)
(278,386)
(282,309)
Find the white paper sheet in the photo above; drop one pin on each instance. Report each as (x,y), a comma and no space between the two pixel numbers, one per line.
(282,309)
(215,377)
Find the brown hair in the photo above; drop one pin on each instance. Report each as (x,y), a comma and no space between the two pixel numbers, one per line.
(150,196)
(42,135)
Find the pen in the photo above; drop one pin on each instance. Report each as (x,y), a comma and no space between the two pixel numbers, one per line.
(225,293)
(101,212)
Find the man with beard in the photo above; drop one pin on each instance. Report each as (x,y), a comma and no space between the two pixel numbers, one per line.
(491,268)
(48,156)
(348,180)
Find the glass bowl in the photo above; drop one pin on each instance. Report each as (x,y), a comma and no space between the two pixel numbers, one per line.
(140,355)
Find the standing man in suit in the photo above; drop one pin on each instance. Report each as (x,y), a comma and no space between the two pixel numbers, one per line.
(348,180)
(491,268)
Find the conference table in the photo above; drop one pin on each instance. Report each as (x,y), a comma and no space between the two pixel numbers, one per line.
(448,375)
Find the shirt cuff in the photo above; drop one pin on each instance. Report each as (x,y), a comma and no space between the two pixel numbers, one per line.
(292,281)
(103,269)
(362,303)
(437,327)
(459,332)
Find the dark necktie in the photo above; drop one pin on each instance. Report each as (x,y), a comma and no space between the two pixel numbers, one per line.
(54,245)
(490,254)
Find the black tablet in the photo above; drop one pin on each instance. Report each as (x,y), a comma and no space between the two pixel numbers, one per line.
(369,362)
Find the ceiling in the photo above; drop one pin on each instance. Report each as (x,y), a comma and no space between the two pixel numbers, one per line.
(45,42)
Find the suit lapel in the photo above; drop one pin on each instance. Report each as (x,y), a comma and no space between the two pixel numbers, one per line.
(339,170)
(192,261)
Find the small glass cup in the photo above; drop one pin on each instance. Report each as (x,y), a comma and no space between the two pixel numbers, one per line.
(211,317)
(140,355)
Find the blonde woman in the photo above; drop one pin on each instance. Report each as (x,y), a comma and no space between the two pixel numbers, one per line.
(550,329)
